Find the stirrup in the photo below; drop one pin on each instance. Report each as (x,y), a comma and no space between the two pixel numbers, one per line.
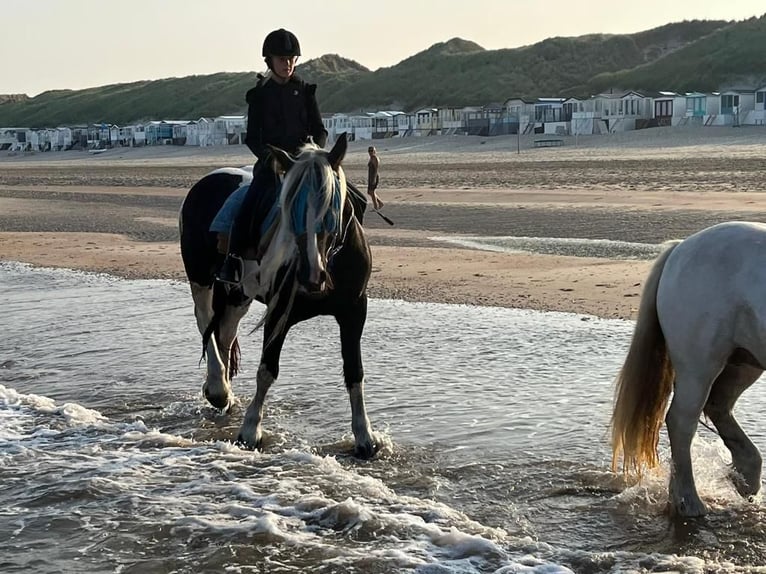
(232,270)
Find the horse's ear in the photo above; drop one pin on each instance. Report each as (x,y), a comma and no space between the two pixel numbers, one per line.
(338,151)
(281,157)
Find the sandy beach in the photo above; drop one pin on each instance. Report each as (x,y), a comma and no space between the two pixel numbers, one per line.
(116,212)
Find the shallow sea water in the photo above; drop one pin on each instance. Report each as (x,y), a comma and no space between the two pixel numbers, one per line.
(493,423)
(565,246)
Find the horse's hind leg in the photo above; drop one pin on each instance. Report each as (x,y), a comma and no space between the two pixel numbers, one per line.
(351,324)
(745,457)
(215,376)
(218,390)
(690,393)
(217,386)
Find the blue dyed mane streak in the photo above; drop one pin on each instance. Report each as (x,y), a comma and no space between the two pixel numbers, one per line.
(306,195)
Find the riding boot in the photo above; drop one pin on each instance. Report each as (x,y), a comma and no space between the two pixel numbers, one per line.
(233,267)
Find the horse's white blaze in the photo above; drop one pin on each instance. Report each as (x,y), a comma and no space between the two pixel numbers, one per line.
(314,260)
(314,216)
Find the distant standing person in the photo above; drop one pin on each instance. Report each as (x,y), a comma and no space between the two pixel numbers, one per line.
(373,178)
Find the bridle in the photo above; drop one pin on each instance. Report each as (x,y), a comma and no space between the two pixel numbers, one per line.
(340,236)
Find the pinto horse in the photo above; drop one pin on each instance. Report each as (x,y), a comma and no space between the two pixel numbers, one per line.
(700,334)
(314,260)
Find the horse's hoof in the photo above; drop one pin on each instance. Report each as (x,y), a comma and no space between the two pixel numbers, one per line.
(745,488)
(219,402)
(365,451)
(245,444)
(690,509)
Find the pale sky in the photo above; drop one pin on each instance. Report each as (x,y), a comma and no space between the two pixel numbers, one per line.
(74,44)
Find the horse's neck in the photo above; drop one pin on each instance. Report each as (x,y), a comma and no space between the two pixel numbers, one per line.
(352,231)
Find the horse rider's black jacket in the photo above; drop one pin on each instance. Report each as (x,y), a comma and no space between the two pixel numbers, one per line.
(282,115)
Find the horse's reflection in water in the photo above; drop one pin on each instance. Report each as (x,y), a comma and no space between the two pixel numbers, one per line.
(316,261)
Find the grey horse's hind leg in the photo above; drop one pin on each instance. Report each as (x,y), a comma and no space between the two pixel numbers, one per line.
(746,459)
(691,390)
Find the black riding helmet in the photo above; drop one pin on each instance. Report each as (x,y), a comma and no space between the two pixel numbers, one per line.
(281,43)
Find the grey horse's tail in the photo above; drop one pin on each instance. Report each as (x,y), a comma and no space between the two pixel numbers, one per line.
(644,384)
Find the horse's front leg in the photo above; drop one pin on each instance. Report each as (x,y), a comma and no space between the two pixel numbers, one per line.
(251,432)
(351,323)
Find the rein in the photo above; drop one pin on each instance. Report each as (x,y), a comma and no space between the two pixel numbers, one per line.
(335,245)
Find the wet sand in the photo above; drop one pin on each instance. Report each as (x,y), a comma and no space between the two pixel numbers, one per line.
(116,212)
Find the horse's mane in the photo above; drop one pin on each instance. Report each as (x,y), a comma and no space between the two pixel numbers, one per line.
(308,196)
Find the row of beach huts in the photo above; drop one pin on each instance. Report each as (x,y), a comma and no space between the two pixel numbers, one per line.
(600,114)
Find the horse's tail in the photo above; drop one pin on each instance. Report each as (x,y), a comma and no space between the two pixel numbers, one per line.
(643,385)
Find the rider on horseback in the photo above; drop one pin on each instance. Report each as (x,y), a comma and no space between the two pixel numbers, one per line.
(282,112)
